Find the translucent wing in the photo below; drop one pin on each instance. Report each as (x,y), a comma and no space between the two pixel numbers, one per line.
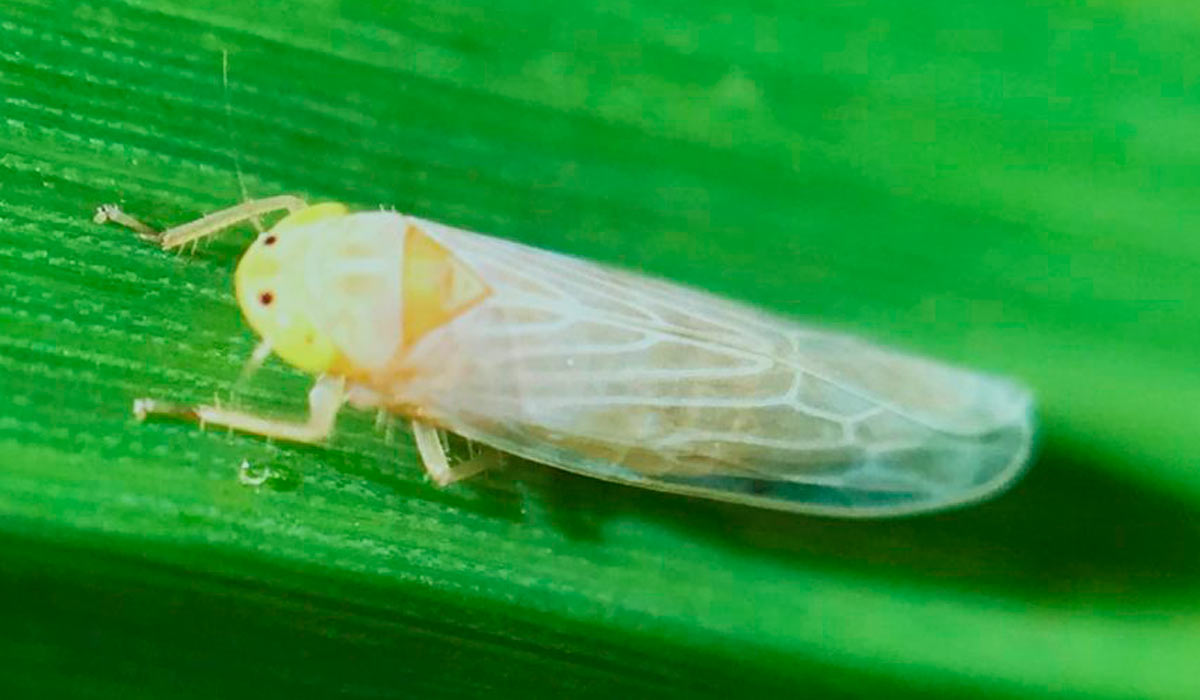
(620,377)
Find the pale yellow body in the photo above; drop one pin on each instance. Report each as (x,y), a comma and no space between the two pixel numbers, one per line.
(614,375)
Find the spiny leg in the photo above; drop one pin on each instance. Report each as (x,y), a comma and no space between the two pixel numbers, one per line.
(437,463)
(384,423)
(204,226)
(113,213)
(324,400)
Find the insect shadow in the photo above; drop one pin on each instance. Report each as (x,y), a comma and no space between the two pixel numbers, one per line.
(1068,530)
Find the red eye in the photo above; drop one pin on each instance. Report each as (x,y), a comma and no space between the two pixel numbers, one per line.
(270,240)
(266,298)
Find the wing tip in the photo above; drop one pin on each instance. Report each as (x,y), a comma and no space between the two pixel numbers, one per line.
(970,470)
(1021,433)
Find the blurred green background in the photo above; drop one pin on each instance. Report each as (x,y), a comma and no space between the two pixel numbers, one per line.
(1010,185)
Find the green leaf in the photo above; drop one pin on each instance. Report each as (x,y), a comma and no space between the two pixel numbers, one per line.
(1007,185)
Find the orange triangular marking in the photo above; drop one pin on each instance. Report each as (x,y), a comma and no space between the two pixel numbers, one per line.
(437,286)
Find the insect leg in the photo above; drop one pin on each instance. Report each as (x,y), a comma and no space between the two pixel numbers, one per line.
(436,462)
(324,401)
(204,226)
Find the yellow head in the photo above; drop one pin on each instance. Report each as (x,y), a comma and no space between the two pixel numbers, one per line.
(269,285)
(349,293)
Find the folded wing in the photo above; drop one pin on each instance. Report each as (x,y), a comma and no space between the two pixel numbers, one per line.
(621,377)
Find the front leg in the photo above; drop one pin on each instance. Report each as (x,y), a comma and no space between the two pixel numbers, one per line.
(203,227)
(325,399)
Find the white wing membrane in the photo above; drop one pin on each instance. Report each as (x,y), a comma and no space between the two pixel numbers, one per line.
(631,379)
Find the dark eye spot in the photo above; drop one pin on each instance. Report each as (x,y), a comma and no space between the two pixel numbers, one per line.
(270,240)
(266,298)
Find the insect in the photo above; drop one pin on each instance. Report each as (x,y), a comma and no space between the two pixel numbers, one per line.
(599,371)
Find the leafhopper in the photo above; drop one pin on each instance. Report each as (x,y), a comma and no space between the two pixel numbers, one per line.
(600,371)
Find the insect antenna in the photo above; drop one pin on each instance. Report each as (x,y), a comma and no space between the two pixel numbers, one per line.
(237,161)
(253,363)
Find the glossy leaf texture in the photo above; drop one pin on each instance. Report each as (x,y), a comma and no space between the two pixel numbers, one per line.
(1008,186)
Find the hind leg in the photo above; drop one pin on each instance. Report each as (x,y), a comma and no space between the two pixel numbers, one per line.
(437,463)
